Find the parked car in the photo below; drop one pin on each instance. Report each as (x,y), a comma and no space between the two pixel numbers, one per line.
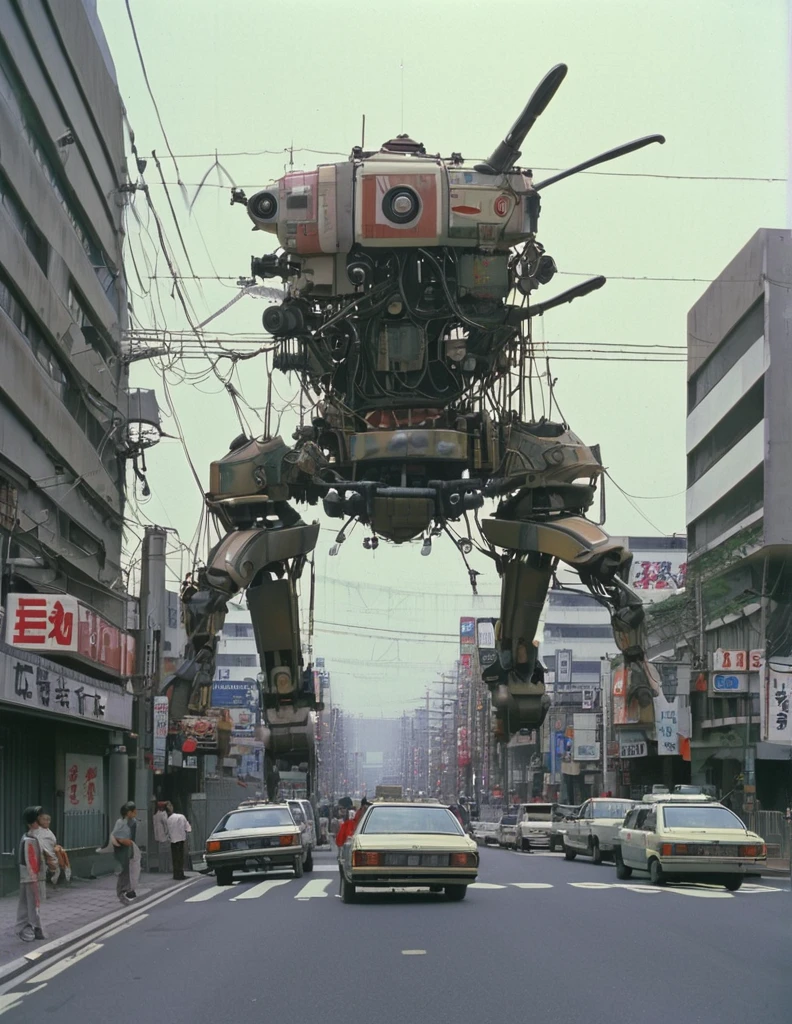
(677,838)
(593,830)
(485,833)
(534,827)
(257,837)
(303,814)
(408,845)
(507,830)
(562,813)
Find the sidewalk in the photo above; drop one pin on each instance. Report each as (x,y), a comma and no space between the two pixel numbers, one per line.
(69,907)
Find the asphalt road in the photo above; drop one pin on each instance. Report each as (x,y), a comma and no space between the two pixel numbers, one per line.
(541,940)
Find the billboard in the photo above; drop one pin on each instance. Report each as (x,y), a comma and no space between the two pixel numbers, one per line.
(467,630)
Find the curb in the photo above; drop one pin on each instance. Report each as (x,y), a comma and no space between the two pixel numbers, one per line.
(10,970)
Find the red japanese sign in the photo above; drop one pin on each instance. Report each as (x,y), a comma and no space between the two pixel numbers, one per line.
(58,622)
(732,661)
(84,783)
(42,622)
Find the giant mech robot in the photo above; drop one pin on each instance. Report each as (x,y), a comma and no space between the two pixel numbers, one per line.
(406,313)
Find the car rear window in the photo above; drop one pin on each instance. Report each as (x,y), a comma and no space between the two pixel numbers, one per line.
(612,809)
(411,820)
(265,817)
(509,819)
(698,816)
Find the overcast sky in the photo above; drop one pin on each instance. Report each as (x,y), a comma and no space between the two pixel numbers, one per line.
(235,78)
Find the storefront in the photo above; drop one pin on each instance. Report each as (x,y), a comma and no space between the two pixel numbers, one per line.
(61,746)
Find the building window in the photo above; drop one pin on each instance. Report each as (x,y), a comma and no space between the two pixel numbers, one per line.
(14,92)
(723,357)
(740,502)
(735,425)
(8,504)
(238,629)
(68,392)
(34,239)
(237,660)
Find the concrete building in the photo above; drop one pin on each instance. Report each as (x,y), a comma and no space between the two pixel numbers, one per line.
(739,521)
(64,412)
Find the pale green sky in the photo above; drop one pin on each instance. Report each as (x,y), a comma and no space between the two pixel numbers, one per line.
(708,74)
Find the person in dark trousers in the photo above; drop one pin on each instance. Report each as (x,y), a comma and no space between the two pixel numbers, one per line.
(178,830)
(123,840)
(32,872)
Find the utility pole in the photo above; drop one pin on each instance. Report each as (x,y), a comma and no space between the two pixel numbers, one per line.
(153,620)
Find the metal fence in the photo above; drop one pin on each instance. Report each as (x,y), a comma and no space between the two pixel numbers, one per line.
(206,809)
(84,828)
(773,827)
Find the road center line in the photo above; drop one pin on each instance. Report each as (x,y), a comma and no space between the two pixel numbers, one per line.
(260,889)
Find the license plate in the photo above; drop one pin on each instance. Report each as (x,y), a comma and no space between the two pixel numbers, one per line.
(413,860)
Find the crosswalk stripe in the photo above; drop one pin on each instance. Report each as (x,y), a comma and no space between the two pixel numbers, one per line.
(259,890)
(485,885)
(314,889)
(208,894)
(325,867)
(532,885)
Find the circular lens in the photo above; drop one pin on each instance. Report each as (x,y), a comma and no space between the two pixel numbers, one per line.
(401,205)
(263,206)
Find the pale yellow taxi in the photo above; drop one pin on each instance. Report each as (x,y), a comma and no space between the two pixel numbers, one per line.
(408,845)
(687,838)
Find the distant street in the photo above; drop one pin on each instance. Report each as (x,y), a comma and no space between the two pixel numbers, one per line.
(538,939)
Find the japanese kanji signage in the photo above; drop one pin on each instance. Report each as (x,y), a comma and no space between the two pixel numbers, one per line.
(42,622)
(160,733)
(41,685)
(84,783)
(729,661)
(776,717)
(667,725)
(51,623)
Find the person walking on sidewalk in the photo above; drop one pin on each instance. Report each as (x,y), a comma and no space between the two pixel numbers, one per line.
(32,872)
(162,837)
(123,839)
(178,830)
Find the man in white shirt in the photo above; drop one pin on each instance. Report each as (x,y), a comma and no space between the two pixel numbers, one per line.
(178,830)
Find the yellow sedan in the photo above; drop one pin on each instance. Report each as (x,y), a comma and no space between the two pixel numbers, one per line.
(408,845)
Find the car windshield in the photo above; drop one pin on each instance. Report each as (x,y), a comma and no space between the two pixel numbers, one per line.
(412,820)
(261,817)
(701,816)
(612,809)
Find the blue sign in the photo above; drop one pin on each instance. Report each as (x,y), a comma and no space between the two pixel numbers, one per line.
(234,695)
(560,744)
(727,683)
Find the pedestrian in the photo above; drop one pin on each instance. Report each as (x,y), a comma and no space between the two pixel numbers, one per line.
(56,857)
(123,840)
(32,871)
(162,837)
(178,830)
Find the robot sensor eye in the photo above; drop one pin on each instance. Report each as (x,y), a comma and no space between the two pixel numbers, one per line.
(263,206)
(401,205)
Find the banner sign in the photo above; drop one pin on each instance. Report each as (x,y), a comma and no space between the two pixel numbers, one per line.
(40,685)
(667,725)
(485,633)
(467,630)
(632,744)
(48,623)
(160,733)
(776,719)
(84,783)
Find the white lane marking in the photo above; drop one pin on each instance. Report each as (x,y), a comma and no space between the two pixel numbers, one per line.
(69,961)
(592,885)
(11,1000)
(314,889)
(752,887)
(702,894)
(208,894)
(532,885)
(122,927)
(260,890)
(413,952)
(325,867)
(485,885)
